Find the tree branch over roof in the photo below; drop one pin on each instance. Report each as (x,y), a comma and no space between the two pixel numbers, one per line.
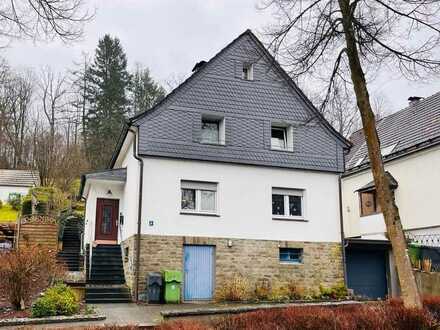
(43,19)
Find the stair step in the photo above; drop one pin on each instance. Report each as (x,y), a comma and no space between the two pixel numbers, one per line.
(108,301)
(105,281)
(123,289)
(106,295)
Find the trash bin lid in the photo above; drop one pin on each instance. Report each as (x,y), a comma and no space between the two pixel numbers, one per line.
(172,276)
(154,278)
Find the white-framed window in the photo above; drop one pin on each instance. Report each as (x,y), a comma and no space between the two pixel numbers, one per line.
(212,130)
(281,137)
(248,71)
(288,203)
(198,197)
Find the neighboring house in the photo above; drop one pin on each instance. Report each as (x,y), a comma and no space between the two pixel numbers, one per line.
(410,142)
(17,182)
(235,172)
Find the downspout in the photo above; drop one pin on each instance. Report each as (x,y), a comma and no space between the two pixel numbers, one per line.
(139,224)
(341,220)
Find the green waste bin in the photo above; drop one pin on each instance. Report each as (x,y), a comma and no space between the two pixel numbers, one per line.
(173,281)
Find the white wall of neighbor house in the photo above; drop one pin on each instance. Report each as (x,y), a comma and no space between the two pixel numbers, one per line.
(99,189)
(6,190)
(417,196)
(244,201)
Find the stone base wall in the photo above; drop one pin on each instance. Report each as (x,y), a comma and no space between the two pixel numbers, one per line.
(255,259)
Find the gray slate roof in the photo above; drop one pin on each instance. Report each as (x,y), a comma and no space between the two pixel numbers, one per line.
(172,128)
(117,174)
(414,127)
(19,178)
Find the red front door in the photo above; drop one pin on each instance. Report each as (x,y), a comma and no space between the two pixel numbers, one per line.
(107,211)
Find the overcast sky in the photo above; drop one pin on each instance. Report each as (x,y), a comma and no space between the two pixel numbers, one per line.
(170,36)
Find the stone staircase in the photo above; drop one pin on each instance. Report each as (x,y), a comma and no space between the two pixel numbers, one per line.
(70,255)
(107,281)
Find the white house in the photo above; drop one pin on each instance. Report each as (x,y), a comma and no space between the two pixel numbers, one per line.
(233,173)
(17,182)
(410,141)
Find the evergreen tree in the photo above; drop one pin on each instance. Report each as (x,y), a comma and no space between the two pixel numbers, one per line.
(145,92)
(108,83)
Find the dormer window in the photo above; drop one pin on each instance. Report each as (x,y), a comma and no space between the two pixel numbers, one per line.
(248,71)
(281,137)
(212,130)
(388,150)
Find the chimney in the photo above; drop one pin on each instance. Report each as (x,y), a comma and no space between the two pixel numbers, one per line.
(414,99)
(198,66)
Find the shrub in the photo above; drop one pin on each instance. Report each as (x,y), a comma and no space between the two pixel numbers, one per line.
(57,300)
(237,289)
(263,289)
(384,316)
(25,272)
(49,200)
(15,201)
(26,206)
(1,204)
(338,291)
(279,293)
(295,292)
(432,304)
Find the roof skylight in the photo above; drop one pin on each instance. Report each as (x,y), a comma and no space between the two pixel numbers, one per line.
(388,150)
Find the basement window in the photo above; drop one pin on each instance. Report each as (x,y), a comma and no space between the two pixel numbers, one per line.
(198,197)
(291,255)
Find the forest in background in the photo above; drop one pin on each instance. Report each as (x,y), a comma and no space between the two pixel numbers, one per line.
(66,123)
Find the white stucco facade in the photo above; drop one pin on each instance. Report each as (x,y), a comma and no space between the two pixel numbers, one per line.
(244,198)
(6,190)
(417,196)
(100,189)
(244,202)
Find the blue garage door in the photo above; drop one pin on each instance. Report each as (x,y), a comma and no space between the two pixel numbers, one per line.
(366,273)
(199,272)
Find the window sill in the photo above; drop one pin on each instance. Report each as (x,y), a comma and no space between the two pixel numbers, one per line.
(280,217)
(207,214)
(286,263)
(213,144)
(282,150)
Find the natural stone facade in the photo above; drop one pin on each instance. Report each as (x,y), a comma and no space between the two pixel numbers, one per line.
(254,259)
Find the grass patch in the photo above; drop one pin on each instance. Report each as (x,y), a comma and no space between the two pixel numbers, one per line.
(8,214)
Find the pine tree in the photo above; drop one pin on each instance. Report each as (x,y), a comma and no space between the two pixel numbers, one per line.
(108,83)
(145,92)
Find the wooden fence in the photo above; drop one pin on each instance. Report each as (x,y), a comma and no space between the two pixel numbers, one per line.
(38,230)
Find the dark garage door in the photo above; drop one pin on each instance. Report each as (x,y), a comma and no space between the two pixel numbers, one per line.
(366,273)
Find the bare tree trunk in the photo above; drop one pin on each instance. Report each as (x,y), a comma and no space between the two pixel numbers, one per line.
(410,295)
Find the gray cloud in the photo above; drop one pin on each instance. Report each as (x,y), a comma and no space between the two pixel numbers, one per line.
(169,36)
